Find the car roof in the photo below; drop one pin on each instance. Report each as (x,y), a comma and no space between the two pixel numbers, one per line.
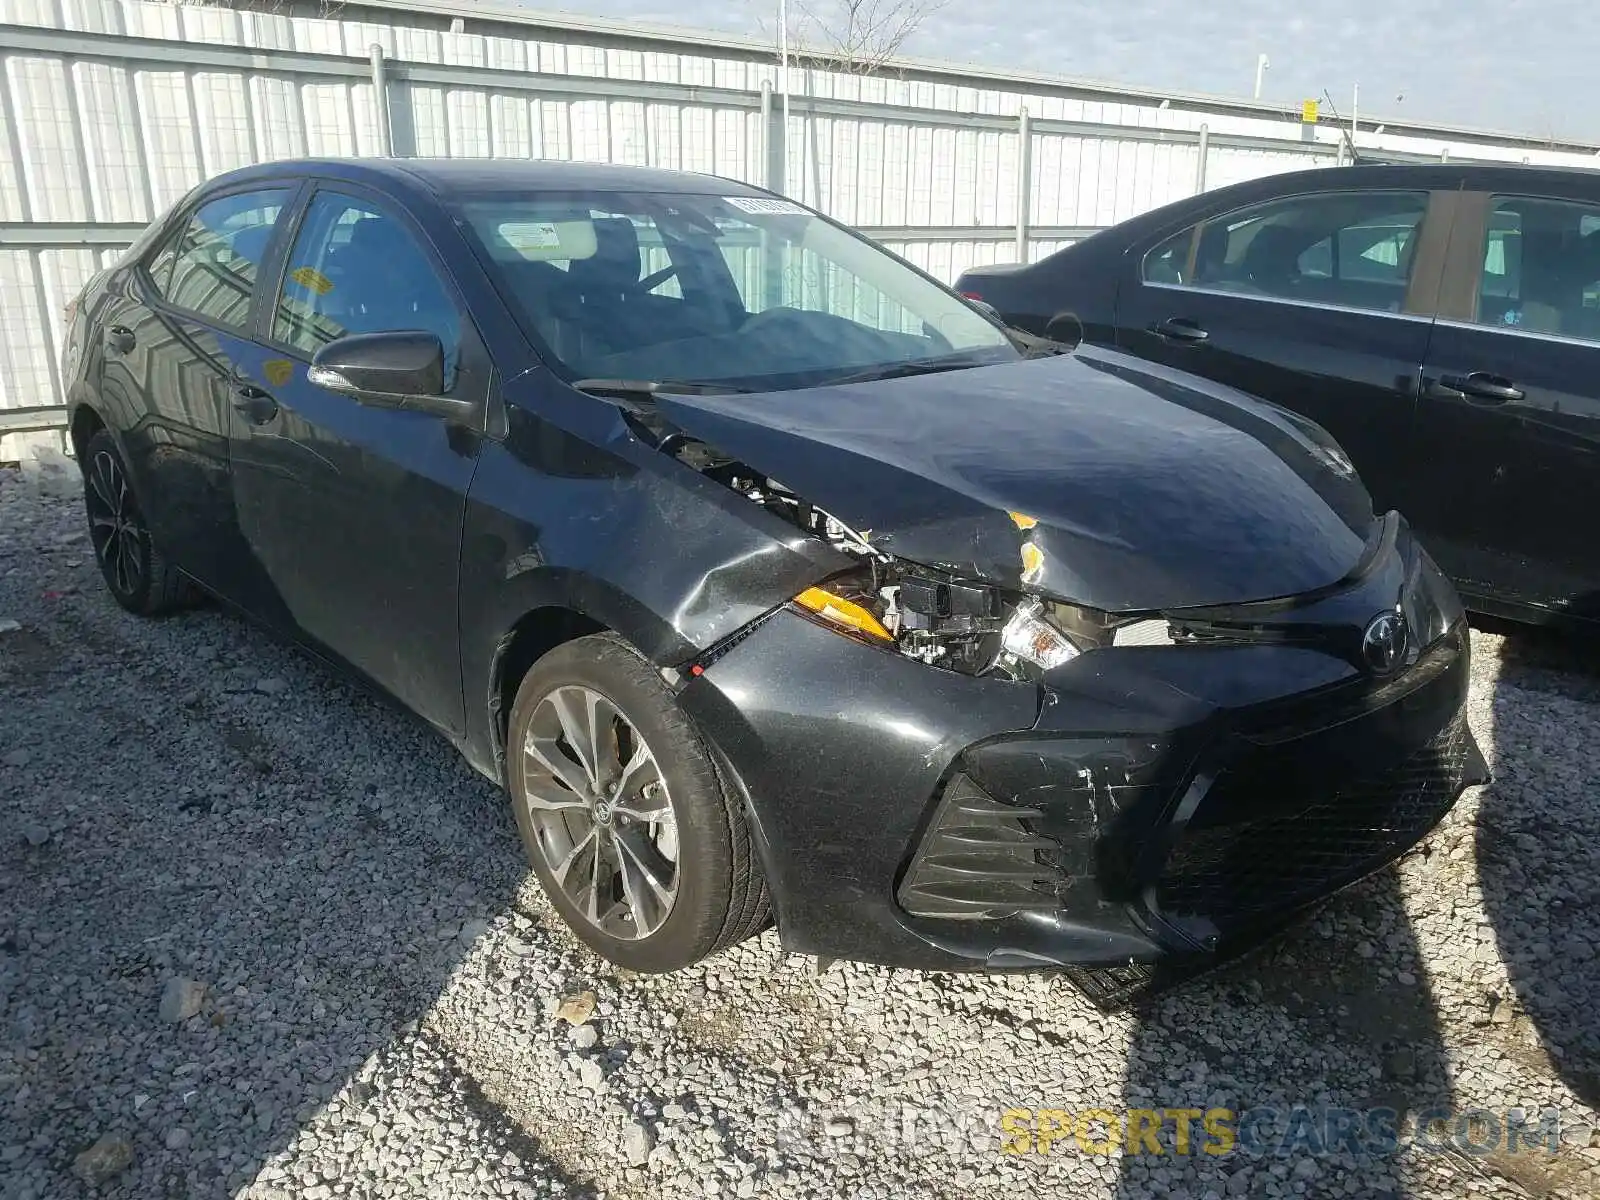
(449,176)
(1431,175)
(1444,176)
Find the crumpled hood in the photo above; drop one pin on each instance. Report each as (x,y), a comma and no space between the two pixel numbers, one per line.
(1137,488)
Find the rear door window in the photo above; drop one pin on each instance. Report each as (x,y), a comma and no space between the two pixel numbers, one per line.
(1350,249)
(210,267)
(1541,267)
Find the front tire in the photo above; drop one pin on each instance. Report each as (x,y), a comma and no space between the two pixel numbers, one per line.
(635,840)
(138,575)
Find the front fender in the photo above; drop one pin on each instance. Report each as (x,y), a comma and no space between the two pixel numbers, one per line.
(573,511)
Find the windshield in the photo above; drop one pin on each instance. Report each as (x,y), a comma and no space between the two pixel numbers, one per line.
(747,291)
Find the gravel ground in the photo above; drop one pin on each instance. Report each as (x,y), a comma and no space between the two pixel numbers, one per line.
(263,936)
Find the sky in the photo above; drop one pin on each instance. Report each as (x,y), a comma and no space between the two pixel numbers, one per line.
(1512,65)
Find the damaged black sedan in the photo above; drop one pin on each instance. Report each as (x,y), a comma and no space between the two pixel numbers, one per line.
(773,580)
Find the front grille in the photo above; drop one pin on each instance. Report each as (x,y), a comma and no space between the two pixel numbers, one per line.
(979,860)
(1288,722)
(1225,877)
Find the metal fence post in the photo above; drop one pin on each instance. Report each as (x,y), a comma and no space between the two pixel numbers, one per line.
(772,275)
(1024,182)
(380,102)
(1205,157)
(766,135)
(774,141)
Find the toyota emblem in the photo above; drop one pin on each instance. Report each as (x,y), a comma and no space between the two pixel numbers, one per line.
(1384,643)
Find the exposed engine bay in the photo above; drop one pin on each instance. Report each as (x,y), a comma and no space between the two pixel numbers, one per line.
(964,625)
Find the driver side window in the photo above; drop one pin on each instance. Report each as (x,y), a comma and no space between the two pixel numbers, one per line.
(356,269)
(1350,249)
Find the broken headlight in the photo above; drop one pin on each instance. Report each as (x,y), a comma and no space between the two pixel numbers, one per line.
(956,624)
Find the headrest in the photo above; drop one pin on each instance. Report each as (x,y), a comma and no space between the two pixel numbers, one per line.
(1273,248)
(378,237)
(618,242)
(250,244)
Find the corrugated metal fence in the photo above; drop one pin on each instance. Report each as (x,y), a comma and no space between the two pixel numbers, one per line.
(111,110)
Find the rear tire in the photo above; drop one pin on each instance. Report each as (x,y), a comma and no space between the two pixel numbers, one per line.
(623,816)
(138,575)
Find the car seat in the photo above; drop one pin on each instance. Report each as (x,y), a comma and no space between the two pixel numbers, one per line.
(1271,259)
(1550,295)
(609,315)
(611,273)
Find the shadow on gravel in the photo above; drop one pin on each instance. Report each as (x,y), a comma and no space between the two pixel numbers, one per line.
(1542,904)
(1347,997)
(190,801)
(1342,996)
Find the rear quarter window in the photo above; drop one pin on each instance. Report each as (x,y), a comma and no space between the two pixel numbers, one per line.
(210,266)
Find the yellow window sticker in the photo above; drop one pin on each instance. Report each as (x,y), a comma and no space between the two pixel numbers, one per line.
(312,280)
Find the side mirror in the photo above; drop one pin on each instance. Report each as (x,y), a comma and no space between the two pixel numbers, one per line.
(986,309)
(388,370)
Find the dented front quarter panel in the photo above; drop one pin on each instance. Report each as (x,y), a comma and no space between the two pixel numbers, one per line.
(573,510)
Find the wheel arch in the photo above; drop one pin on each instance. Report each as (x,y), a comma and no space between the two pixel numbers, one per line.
(509,623)
(530,638)
(564,615)
(83,422)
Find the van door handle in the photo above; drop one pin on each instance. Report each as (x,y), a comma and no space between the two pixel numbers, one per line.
(120,339)
(1180,329)
(1480,387)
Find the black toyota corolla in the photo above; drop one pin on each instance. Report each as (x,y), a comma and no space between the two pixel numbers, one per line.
(773,580)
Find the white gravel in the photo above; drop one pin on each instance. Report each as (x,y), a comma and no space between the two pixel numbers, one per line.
(263,936)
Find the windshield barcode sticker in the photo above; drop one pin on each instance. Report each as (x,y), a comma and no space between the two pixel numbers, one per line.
(530,235)
(766,208)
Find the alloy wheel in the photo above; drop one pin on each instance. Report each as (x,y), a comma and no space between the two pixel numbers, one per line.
(601,814)
(115,526)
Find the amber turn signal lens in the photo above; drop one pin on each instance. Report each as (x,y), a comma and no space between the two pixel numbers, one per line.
(846,614)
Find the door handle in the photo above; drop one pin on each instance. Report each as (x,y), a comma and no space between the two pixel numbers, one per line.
(120,339)
(1480,387)
(1180,329)
(254,405)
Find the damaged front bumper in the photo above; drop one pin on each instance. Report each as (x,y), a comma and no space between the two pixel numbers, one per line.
(1144,814)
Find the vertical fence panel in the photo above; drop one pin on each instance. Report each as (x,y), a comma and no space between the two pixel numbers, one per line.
(25,374)
(111,143)
(227,133)
(52,159)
